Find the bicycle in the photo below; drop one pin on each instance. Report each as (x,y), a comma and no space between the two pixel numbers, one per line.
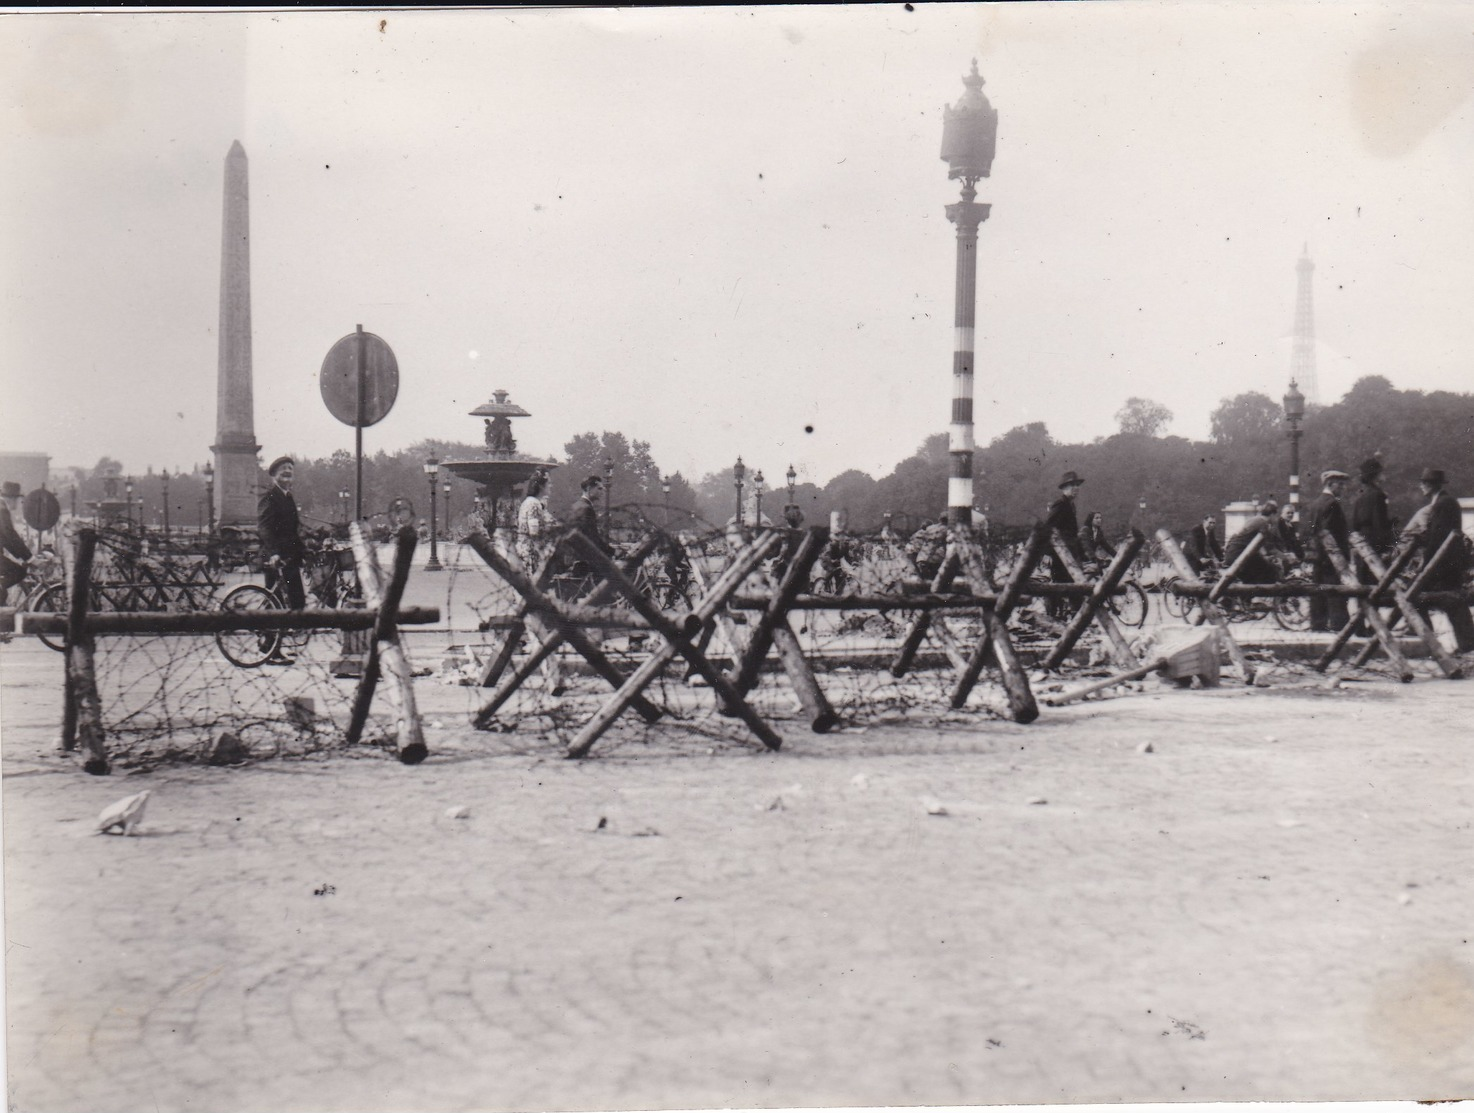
(1290,612)
(330,577)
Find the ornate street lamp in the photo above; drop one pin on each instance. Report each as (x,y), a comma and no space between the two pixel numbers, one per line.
(432,469)
(738,473)
(445,488)
(164,479)
(1294,413)
(210,496)
(969,138)
(792,478)
(608,490)
(344,494)
(757,493)
(665,490)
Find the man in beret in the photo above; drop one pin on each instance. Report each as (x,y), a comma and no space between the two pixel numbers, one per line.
(12,572)
(1328,613)
(279,529)
(1434,521)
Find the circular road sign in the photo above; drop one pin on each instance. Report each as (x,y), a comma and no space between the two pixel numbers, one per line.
(41,509)
(339,379)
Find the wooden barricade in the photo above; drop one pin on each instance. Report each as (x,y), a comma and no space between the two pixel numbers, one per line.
(1345,634)
(1120,647)
(1094,607)
(386,654)
(1413,590)
(1368,611)
(1419,625)
(82,715)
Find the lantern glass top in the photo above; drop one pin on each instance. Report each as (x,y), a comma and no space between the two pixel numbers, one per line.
(970,131)
(739,470)
(1294,402)
(432,467)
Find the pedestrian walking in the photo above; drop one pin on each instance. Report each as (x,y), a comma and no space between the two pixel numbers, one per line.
(1370,517)
(1062,519)
(1439,517)
(1328,613)
(534,525)
(584,516)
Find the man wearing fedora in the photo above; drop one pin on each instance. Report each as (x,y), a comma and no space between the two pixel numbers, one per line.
(279,529)
(1436,520)
(11,544)
(1328,613)
(1062,518)
(1369,516)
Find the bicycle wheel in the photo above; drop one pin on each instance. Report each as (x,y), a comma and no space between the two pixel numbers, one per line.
(1131,608)
(1292,613)
(248,649)
(51,600)
(1175,605)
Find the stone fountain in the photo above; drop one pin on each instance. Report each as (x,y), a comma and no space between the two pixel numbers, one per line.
(503,469)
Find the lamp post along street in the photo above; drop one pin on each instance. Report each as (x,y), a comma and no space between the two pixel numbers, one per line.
(164,480)
(210,497)
(739,472)
(665,492)
(608,490)
(128,507)
(969,138)
(757,495)
(792,478)
(432,469)
(1294,413)
(445,487)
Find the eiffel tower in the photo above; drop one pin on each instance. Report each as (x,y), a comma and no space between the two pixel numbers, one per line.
(1302,355)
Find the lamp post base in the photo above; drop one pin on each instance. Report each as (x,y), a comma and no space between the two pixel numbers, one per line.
(434,565)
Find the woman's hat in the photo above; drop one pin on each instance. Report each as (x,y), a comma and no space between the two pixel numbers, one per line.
(1070,479)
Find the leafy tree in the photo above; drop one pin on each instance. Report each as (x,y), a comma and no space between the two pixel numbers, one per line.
(1143,417)
(1245,419)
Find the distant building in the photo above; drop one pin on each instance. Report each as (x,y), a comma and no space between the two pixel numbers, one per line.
(29,469)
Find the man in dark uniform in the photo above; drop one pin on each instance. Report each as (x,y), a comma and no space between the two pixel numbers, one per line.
(278,527)
(1262,567)
(1061,518)
(1369,516)
(11,544)
(1443,518)
(1328,613)
(1201,547)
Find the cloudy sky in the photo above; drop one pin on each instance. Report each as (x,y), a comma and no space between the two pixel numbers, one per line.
(711,228)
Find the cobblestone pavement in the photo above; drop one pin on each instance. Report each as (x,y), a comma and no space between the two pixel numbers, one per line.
(1275,903)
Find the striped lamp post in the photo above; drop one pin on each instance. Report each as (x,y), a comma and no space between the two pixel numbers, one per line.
(1294,414)
(969,138)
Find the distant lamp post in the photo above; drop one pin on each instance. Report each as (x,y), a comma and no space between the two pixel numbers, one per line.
(128,496)
(969,139)
(432,469)
(792,478)
(445,489)
(210,497)
(164,479)
(608,490)
(344,494)
(757,495)
(1294,414)
(665,492)
(739,472)
(74,501)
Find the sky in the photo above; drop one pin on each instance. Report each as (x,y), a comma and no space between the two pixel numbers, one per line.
(715,229)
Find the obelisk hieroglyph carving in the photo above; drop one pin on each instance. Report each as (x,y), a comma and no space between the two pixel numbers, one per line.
(235,444)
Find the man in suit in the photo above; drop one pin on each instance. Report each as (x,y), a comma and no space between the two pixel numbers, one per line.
(1062,518)
(1202,548)
(584,517)
(1443,517)
(1328,613)
(282,552)
(11,544)
(1369,516)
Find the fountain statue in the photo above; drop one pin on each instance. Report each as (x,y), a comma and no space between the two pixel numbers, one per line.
(502,469)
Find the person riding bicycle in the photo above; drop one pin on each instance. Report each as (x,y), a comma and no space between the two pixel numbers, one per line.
(11,545)
(1093,539)
(282,551)
(1201,546)
(1289,536)
(928,548)
(1264,564)
(832,561)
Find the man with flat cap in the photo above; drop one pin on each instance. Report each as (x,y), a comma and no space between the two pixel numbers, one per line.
(279,529)
(1433,522)
(1328,613)
(1062,519)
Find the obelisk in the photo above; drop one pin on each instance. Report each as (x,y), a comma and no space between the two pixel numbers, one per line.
(235,444)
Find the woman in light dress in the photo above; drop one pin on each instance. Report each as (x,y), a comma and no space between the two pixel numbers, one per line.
(534,524)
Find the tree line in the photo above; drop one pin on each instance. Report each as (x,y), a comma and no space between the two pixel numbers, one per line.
(1138,476)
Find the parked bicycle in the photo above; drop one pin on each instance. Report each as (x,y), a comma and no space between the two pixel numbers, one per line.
(1291,613)
(331,579)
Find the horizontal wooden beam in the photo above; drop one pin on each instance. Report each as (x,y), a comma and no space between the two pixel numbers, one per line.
(217,622)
